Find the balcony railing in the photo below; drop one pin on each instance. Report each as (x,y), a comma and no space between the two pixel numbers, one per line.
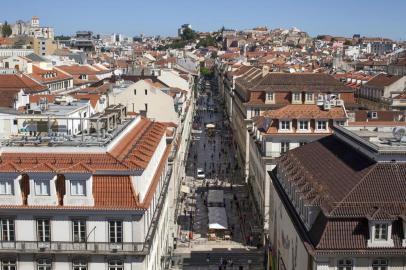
(72,247)
(272,154)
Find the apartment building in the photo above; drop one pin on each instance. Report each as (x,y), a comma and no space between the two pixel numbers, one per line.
(280,130)
(380,90)
(86,203)
(145,97)
(338,202)
(255,91)
(55,79)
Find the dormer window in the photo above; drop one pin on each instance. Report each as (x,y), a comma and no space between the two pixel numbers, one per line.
(78,188)
(270,96)
(309,97)
(303,125)
(322,125)
(284,125)
(297,98)
(42,187)
(381,232)
(6,187)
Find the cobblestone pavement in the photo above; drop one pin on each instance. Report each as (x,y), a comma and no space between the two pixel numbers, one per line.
(216,156)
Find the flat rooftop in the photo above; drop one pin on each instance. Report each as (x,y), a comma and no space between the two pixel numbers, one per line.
(94,142)
(381,143)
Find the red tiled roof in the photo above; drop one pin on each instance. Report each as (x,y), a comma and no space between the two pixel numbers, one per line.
(382,80)
(114,192)
(20,81)
(40,75)
(306,111)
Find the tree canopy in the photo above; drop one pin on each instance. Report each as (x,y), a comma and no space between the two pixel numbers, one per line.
(206,42)
(188,34)
(6,30)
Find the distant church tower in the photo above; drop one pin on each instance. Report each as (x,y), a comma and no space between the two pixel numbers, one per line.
(35,21)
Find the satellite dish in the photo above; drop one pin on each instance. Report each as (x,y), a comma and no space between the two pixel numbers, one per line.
(399,132)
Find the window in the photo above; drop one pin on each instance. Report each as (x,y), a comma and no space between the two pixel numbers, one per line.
(44,264)
(379,264)
(42,187)
(6,187)
(285,125)
(116,231)
(296,96)
(135,92)
(8,264)
(78,187)
(43,230)
(344,264)
(79,265)
(304,125)
(269,96)
(374,115)
(79,231)
(7,229)
(146,92)
(321,125)
(309,96)
(381,231)
(116,265)
(257,112)
(284,147)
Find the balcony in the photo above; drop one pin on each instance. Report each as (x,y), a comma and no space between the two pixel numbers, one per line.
(272,154)
(134,248)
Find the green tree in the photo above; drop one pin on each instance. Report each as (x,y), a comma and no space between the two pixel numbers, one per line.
(6,30)
(204,71)
(188,34)
(206,42)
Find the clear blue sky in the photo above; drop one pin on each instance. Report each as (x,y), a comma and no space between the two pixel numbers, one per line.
(152,17)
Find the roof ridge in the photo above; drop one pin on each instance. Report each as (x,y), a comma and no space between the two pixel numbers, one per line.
(355,187)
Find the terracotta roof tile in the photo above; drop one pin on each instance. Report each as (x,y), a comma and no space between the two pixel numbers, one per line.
(306,111)
(114,192)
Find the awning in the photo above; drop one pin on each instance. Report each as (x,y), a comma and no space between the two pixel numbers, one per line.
(218,218)
(185,189)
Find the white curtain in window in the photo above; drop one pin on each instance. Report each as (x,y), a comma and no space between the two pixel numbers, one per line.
(41,187)
(78,187)
(6,187)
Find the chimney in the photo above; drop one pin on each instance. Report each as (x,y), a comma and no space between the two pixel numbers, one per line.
(265,71)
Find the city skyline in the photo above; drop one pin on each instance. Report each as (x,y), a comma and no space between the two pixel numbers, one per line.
(160,17)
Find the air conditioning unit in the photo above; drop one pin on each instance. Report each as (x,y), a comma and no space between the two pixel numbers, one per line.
(320,100)
(327,105)
(339,102)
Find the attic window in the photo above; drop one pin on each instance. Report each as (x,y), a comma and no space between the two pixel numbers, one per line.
(269,96)
(381,232)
